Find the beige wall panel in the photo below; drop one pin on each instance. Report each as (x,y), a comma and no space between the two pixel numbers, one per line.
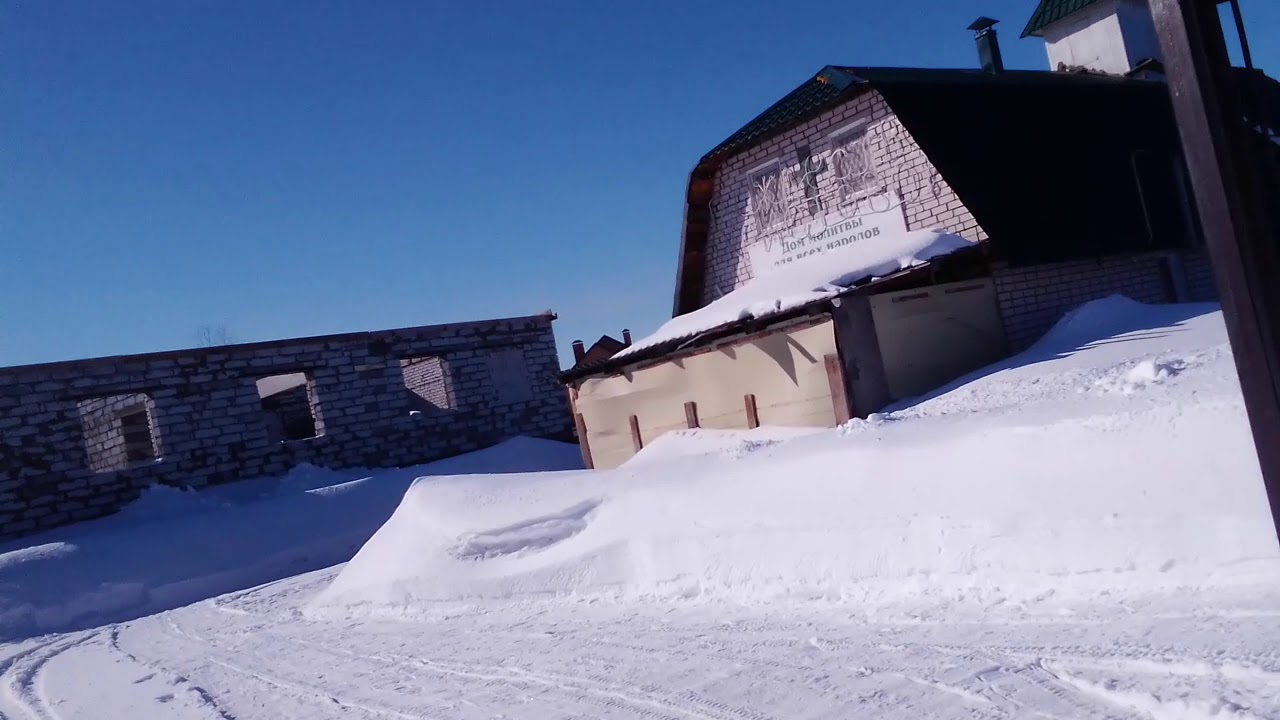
(930,336)
(784,370)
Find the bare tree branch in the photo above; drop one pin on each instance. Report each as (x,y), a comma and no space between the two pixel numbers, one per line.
(213,336)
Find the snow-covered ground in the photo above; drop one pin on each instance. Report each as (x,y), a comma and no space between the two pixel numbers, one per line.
(1078,532)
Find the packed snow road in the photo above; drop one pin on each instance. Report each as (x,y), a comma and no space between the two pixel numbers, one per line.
(253,655)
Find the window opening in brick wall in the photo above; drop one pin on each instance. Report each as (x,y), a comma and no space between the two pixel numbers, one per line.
(427,380)
(288,406)
(853,164)
(509,373)
(768,197)
(119,431)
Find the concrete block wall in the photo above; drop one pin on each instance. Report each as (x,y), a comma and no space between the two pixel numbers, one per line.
(929,202)
(208,417)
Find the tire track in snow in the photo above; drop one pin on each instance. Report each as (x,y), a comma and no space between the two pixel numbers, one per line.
(1152,705)
(1036,675)
(20,675)
(299,691)
(178,679)
(645,701)
(1262,661)
(312,694)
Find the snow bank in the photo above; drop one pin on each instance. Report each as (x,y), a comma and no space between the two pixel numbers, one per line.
(802,283)
(175,547)
(1156,489)
(708,441)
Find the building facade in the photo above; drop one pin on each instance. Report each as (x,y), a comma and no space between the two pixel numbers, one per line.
(857,160)
(854,159)
(80,439)
(1069,184)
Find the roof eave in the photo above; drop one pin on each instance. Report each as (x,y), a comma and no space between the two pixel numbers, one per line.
(691,272)
(872,285)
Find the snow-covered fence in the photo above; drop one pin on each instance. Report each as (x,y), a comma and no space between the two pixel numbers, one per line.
(79,439)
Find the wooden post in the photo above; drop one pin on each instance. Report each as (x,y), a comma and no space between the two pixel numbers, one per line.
(585,446)
(691,414)
(839,396)
(636,442)
(1235,192)
(753,415)
(580,427)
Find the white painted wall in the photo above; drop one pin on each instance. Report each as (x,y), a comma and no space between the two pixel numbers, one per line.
(784,369)
(1139,29)
(1088,38)
(1110,36)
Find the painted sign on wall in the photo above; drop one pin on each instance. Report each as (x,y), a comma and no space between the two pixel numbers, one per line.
(874,219)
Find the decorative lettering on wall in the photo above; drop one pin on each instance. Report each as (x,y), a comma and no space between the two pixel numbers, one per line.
(856,173)
(851,175)
(828,233)
(768,199)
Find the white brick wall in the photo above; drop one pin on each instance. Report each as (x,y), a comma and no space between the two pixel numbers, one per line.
(929,201)
(1200,284)
(1032,299)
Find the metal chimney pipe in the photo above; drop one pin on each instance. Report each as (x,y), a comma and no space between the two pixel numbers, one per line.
(984,34)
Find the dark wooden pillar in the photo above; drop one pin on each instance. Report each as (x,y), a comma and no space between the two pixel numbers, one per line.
(636,441)
(691,414)
(580,426)
(1236,198)
(753,415)
(839,391)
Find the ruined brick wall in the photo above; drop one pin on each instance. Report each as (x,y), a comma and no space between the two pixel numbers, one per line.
(291,414)
(208,420)
(104,425)
(425,378)
(928,201)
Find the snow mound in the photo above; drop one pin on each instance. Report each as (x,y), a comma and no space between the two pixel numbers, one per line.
(708,441)
(1128,494)
(174,547)
(1088,363)
(796,285)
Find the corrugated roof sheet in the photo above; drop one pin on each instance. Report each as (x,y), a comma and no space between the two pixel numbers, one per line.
(1051,11)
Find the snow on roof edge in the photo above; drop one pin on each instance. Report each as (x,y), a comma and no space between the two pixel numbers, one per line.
(792,287)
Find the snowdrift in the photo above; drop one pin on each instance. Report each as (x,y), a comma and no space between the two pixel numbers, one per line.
(1113,457)
(174,547)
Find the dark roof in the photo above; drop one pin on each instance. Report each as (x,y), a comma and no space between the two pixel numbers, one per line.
(1053,166)
(817,94)
(602,349)
(1045,161)
(1259,97)
(1051,11)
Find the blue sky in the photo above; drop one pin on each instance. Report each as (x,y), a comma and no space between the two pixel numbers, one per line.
(298,168)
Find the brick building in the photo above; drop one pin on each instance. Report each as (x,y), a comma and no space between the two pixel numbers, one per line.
(1070,185)
(79,439)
